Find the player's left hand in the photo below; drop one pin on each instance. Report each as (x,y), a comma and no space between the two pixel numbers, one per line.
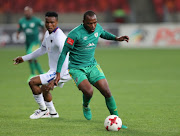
(122,38)
(50,85)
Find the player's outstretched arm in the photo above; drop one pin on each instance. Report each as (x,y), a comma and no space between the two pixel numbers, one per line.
(18,60)
(122,38)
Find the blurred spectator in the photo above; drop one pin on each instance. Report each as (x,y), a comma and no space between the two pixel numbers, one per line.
(119,9)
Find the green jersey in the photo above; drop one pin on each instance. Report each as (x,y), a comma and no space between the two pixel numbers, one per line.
(81,44)
(31,28)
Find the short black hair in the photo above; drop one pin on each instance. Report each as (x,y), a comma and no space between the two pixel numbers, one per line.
(88,13)
(51,14)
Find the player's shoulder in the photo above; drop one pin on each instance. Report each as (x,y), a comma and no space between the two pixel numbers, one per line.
(59,36)
(35,18)
(99,26)
(77,30)
(22,19)
(58,32)
(46,34)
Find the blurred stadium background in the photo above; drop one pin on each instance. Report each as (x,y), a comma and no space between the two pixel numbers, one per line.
(145,82)
(149,23)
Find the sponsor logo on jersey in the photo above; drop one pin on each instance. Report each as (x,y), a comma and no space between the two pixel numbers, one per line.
(32,25)
(23,25)
(28,30)
(53,74)
(96,34)
(70,41)
(90,44)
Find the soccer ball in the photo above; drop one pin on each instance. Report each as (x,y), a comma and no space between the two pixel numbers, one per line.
(113,123)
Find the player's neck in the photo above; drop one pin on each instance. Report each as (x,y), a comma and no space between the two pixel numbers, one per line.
(28,18)
(86,29)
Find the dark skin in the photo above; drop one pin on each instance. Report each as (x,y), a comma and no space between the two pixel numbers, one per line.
(35,82)
(90,23)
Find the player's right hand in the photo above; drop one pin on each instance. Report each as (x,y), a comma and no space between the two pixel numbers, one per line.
(57,78)
(18,60)
(50,85)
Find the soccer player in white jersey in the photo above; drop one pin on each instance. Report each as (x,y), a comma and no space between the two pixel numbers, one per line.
(52,44)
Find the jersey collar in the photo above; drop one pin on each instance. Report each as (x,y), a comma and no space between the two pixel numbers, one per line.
(55,29)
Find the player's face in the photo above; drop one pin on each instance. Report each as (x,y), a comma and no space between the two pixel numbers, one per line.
(90,23)
(28,13)
(51,23)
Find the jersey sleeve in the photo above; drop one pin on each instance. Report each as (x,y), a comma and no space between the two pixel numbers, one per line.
(39,52)
(71,40)
(106,35)
(62,58)
(60,40)
(44,41)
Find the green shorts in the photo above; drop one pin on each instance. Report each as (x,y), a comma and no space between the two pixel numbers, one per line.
(92,73)
(32,47)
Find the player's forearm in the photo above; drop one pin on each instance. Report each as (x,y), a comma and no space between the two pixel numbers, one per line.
(62,58)
(108,36)
(34,54)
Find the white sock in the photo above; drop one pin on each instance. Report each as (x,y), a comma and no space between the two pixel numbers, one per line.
(40,100)
(51,107)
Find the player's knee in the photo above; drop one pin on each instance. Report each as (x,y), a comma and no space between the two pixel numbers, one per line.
(88,92)
(107,93)
(31,82)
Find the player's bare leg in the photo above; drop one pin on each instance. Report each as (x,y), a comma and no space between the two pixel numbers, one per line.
(87,91)
(49,103)
(34,84)
(103,87)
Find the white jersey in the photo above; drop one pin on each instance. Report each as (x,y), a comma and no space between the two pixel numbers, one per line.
(52,44)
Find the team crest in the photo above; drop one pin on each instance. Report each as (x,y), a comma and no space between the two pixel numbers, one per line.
(96,34)
(85,38)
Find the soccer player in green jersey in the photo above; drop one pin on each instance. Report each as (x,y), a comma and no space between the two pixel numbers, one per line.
(81,42)
(31,25)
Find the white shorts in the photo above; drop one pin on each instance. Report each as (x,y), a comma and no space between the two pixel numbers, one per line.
(50,75)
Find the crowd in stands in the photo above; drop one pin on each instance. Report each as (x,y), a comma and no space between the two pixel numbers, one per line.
(63,6)
(164,6)
(118,7)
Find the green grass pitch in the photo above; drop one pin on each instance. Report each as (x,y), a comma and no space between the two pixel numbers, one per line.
(144,82)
